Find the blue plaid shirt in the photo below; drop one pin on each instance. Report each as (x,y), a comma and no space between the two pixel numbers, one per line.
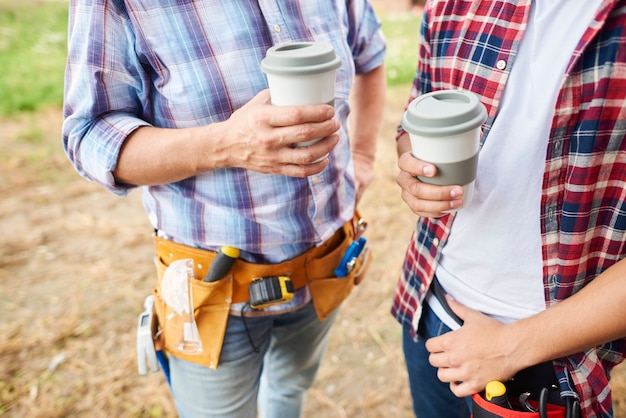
(177,64)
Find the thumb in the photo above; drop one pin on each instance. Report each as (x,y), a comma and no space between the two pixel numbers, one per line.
(262,97)
(462,311)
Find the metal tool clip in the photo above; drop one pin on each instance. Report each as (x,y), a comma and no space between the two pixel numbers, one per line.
(348,261)
(146,353)
(350,257)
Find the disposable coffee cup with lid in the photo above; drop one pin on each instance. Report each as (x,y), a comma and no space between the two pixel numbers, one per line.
(444,129)
(301,73)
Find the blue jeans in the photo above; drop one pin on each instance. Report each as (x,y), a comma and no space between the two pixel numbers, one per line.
(291,348)
(431,397)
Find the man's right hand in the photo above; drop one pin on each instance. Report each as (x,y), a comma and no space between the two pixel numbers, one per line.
(262,137)
(426,200)
(258,137)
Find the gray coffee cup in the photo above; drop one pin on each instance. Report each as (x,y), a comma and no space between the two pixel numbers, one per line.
(301,73)
(444,128)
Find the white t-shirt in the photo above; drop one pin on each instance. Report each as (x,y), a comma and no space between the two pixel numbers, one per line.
(492,260)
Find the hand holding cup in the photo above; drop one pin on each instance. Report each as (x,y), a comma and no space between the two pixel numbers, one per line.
(444,130)
(301,73)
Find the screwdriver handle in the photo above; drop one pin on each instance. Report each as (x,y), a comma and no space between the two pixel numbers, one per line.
(495,392)
(222,263)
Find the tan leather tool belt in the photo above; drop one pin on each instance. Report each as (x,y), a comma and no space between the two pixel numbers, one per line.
(212,300)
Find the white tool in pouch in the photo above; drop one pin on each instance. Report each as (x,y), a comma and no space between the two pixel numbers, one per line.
(146,354)
(176,292)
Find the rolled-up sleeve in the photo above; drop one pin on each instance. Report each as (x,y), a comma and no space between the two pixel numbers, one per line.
(366,38)
(104,88)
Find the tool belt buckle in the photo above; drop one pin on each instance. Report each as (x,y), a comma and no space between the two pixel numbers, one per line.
(270,290)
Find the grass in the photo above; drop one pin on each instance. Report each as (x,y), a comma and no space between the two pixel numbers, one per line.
(32,55)
(33,48)
(402,33)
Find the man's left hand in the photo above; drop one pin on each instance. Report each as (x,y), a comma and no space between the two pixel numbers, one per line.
(470,357)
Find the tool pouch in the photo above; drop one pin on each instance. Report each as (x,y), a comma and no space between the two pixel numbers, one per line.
(543,395)
(482,408)
(328,292)
(212,305)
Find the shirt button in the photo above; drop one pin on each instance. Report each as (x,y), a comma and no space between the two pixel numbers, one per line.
(501,64)
(436,242)
(276,28)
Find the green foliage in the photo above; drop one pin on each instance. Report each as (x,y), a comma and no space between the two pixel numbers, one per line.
(402,34)
(33,47)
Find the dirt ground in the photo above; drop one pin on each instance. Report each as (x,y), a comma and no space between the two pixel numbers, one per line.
(76,264)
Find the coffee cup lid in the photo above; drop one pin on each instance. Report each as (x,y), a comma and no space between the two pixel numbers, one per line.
(444,113)
(300,58)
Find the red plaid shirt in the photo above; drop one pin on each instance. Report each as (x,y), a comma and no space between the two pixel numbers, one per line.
(469,44)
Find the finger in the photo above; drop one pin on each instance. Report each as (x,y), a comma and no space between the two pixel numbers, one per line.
(423,208)
(441,346)
(407,162)
(313,152)
(458,308)
(415,167)
(463,389)
(447,375)
(305,161)
(438,359)
(262,97)
(302,170)
(313,131)
(298,115)
(427,199)
(296,170)
(306,132)
(460,384)
(435,345)
(429,192)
